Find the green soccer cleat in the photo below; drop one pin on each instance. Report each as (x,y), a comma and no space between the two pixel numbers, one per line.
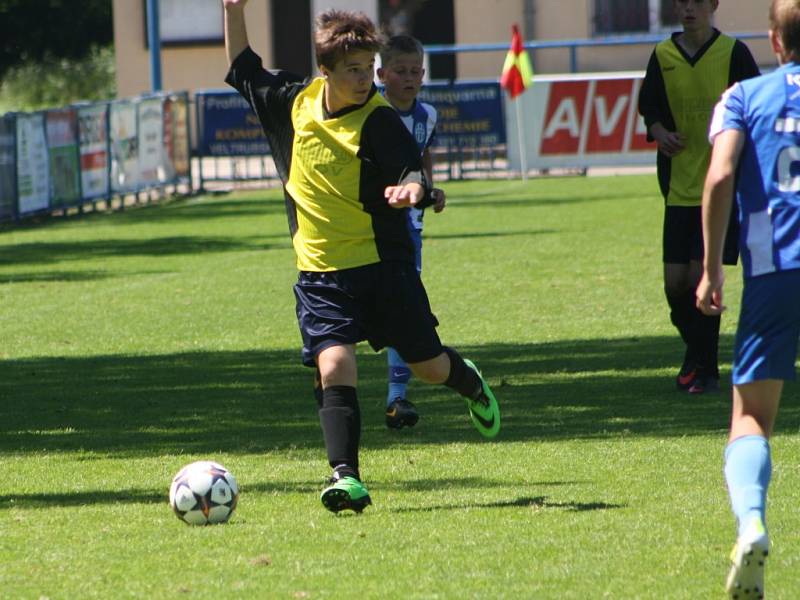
(746,577)
(484,411)
(346,493)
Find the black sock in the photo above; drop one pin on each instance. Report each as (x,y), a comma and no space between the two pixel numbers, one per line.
(340,418)
(682,314)
(461,378)
(707,328)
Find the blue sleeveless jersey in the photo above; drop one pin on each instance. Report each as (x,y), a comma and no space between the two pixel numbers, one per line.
(767,110)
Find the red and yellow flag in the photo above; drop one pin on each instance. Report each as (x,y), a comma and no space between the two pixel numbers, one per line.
(517,70)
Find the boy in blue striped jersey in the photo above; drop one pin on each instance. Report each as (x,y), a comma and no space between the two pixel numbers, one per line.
(756,153)
(401,74)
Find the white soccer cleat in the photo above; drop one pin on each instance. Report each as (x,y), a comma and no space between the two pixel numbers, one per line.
(746,577)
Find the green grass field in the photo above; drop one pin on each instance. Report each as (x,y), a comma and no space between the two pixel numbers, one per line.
(135,342)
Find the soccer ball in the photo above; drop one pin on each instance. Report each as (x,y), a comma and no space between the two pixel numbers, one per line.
(203,492)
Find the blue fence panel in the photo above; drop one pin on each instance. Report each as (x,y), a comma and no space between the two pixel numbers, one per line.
(470,114)
(227,126)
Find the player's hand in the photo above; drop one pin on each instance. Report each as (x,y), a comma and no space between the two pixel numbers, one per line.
(671,143)
(439,200)
(709,294)
(402,196)
(226,4)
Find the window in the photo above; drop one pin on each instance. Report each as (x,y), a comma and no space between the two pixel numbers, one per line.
(188,21)
(632,16)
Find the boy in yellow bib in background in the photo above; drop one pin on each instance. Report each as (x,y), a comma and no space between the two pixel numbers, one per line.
(686,75)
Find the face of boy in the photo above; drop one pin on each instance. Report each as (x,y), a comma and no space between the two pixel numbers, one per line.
(695,15)
(402,77)
(350,81)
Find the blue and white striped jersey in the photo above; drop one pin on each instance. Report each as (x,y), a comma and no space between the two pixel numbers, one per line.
(767,110)
(421,122)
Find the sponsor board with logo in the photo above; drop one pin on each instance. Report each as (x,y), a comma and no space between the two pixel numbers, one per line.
(579,122)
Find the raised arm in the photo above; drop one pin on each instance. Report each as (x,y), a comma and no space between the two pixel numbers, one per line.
(235,31)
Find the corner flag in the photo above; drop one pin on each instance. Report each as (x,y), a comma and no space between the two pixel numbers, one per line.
(517,69)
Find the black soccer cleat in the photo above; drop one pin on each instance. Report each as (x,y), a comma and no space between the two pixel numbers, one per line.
(401,413)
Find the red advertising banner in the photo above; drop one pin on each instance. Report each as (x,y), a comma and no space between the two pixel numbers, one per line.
(579,122)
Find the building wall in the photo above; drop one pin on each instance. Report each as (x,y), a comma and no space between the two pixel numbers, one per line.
(182,67)
(484,21)
(490,22)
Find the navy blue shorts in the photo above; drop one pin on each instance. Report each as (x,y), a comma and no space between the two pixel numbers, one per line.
(384,303)
(683,236)
(768,330)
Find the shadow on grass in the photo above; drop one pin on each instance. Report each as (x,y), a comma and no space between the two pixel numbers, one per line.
(525,502)
(260,401)
(38,253)
(158,496)
(172,210)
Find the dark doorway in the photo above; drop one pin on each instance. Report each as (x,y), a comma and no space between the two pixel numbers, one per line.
(432,22)
(291,37)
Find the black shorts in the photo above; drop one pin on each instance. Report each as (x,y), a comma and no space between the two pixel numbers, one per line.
(384,303)
(683,236)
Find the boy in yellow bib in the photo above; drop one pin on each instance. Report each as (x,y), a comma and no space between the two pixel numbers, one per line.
(686,75)
(350,170)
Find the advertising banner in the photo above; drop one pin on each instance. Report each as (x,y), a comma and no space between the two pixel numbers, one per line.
(469,114)
(62,148)
(33,171)
(124,147)
(8,168)
(227,126)
(151,141)
(176,136)
(92,133)
(579,122)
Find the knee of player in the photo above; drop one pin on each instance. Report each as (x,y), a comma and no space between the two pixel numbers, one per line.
(433,371)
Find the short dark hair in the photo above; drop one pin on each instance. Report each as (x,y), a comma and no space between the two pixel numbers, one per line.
(401,44)
(339,32)
(784,19)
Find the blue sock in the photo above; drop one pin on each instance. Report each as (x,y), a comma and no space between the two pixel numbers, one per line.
(399,374)
(748,468)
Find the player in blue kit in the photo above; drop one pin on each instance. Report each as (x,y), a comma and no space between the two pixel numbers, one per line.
(401,73)
(756,135)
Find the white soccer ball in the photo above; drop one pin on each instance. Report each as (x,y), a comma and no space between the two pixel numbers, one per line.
(204,492)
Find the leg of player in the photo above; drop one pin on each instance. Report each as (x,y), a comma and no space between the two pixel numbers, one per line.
(340,418)
(705,329)
(748,468)
(399,411)
(680,297)
(461,375)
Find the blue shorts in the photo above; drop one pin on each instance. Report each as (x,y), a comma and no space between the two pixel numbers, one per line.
(769,326)
(384,303)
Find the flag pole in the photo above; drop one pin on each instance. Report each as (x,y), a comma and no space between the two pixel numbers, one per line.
(517,76)
(523,157)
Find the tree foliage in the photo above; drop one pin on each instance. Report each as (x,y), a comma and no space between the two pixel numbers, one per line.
(53,83)
(39,30)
